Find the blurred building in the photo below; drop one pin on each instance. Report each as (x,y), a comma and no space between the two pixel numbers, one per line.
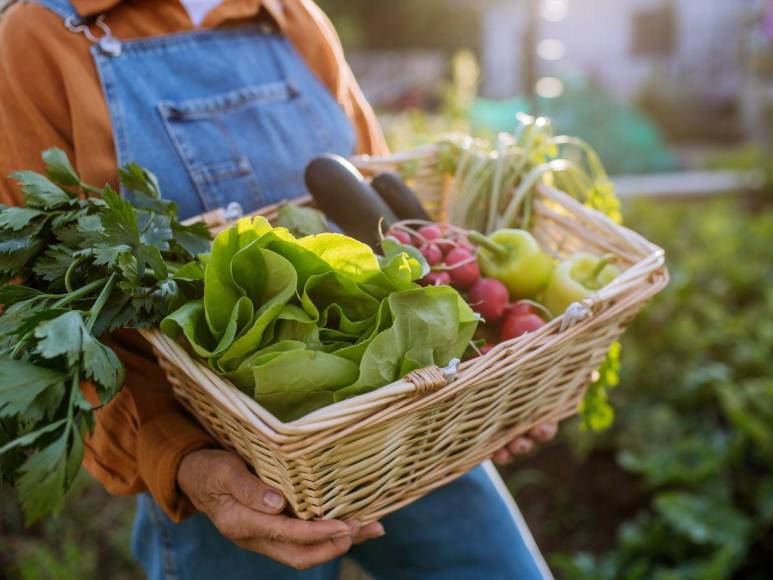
(622,44)
(701,69)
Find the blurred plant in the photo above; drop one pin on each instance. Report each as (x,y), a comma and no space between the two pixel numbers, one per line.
(89,540)
(412,128)
(696,413)
(460,93)
(748,157)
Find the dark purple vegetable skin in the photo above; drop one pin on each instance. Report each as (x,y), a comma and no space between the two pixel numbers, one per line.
(399,197)
(346,198)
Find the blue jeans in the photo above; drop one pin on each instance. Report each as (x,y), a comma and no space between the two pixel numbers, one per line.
(469,529)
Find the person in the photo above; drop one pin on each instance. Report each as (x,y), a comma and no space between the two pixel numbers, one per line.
(225,101)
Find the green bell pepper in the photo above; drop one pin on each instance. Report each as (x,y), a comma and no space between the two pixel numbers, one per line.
(514,257)
(577,278)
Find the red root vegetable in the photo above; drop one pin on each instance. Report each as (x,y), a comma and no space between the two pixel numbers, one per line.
(432,254)
(436,278)
(521,307)
(430,232)
(515,325)
(445,244)
(401,236)
(463,268)
(489,298)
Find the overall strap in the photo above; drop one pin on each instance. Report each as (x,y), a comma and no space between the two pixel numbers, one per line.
(75,23)
(63,8)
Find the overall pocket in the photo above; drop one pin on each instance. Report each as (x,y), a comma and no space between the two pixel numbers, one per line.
(250,145)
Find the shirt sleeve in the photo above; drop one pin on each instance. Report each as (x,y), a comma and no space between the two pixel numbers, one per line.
(33,112)
(141,435)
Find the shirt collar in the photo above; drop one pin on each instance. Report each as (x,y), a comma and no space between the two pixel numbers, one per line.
(236,9)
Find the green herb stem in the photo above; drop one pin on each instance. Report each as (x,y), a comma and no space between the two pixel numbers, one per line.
(79,293)
(101,300)
(70,269)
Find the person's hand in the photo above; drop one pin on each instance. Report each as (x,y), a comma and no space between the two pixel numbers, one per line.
(248,512)
(542,433)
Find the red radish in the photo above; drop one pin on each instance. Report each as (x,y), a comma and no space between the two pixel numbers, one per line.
(400,236)
(432,254)
(519,324)
(436,278)
(488,297)
(445,244)
(521,307)
(431,232)
(465,244)
(467,273)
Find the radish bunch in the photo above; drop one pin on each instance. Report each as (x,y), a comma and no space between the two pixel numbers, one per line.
(453,261)
(449,254)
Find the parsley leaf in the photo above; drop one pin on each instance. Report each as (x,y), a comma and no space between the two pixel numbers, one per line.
(91,262)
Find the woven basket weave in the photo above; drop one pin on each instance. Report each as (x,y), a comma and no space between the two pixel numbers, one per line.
(370,455)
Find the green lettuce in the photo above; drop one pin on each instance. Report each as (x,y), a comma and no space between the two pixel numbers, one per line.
(302,323)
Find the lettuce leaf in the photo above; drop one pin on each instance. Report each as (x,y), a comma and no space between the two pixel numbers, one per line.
(301,323)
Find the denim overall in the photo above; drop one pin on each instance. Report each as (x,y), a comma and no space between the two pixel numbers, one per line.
(234,115)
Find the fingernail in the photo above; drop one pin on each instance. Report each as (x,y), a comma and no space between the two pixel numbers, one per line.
(273,500)
(521,447)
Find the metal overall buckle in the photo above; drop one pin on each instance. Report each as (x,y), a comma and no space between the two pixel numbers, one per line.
(107,43)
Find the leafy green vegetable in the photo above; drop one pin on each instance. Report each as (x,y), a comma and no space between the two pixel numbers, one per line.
(494,186)
(302,323)
(301,221)
(90,262)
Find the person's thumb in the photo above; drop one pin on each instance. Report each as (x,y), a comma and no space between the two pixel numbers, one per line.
(250,491)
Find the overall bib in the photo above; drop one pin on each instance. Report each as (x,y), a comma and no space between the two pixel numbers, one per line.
(233,116)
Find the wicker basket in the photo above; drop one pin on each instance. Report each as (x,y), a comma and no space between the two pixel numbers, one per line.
(370,455)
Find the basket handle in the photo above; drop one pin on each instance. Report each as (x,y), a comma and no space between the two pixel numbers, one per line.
(427,380)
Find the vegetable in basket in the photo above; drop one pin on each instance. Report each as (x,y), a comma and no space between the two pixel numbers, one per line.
(514,257)
(520,318)
(341,192)
(302,323)
(88,262)
(493,186)
(577,278)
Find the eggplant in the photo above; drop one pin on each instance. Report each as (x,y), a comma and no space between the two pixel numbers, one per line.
(343,195)
(399,197)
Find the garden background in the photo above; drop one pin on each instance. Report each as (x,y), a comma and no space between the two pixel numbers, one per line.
(681,484)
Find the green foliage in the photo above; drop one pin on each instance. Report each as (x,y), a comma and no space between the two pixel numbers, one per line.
(326,303)
(596,413)
(301,221)
(696,411)
(89,262)
(90,541)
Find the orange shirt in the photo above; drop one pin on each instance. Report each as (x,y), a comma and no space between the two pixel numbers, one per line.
(50,95)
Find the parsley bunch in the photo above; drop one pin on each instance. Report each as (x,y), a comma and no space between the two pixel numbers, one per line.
(76,263)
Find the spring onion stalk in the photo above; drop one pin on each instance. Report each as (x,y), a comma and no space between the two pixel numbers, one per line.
(494,182)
